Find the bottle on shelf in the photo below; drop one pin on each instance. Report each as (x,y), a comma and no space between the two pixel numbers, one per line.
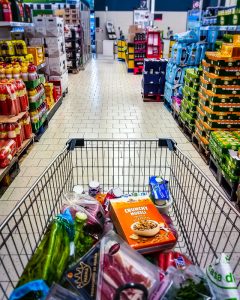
(32,72)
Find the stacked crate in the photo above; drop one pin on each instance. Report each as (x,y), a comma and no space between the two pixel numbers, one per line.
(219,96)
(225,160)
(154,78)
(224,147)
(122,45)
(189,102)
(130,57)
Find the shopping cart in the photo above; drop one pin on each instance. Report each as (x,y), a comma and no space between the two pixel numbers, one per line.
(208,224)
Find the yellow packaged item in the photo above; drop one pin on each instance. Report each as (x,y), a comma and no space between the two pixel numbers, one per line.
(29,58)
(2,72)
(8,71)
(20,47)
(16,71)
(236,40)
(7,48)
(37,53)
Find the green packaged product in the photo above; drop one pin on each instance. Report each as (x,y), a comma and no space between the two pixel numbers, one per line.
(191,92)
(51,257)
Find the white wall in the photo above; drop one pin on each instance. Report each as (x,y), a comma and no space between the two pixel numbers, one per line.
(123,19)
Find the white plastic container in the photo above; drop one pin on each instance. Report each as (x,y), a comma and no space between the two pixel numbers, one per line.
(164,209)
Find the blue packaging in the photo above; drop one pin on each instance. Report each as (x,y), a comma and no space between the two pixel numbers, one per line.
(159,189)
(186,37)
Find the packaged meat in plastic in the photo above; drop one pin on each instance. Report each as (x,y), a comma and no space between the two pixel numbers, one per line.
(93,209)
(222,280)
(113,270)
(188,284)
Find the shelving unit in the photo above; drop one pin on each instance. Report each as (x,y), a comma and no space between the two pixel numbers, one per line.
(15,24)
(154,44)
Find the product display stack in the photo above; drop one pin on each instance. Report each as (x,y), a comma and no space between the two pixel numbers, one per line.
(74,41)
(186,53)
(219,94)
(140,50)
(153,81)
(225,159)
(49,31)
(188,106)
(122,45)
(15,124)
(130,57)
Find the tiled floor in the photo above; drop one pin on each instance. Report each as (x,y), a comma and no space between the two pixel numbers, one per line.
(104,101)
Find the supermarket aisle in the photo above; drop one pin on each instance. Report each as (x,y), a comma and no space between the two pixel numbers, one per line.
(104,101)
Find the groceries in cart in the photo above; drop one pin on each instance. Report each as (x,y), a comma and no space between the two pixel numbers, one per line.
(107,245)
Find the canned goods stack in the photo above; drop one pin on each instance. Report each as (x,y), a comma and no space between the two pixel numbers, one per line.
(225,149)
(219,94)
(189,103)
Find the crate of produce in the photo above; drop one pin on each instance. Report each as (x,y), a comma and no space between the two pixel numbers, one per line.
(189,107)
(226,124)
(221,115)
(221,80)
(221,71)
(35,223)
(218,98)
(226,90)
(192,84)
(193,74)
(228,62)
(188,91)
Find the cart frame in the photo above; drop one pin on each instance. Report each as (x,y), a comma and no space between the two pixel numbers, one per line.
(207,222)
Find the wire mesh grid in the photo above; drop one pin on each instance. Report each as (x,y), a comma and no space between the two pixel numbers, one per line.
(207,223)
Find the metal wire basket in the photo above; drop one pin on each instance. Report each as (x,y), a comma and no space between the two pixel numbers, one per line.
(208,224)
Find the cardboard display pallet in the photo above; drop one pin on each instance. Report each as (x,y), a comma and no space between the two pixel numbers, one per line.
(167,105)
(152,98)
(186,130)
(230,188)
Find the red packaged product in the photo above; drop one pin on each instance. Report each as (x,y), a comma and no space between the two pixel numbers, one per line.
(27,126)
(12,104)
(3,100)
(3,131)
(7,147)
(172,259)
(19,139)
(22,132)
(7,11)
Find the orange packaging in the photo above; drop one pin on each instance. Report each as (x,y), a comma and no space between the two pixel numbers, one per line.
(139,222)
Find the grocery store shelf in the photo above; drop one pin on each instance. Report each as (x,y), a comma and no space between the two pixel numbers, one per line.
(221,28)
(7,119)
(55,107)
(15,24)
(5,171)
(25,145)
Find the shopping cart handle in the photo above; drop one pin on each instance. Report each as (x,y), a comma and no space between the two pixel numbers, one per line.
(73,143)
(167,143)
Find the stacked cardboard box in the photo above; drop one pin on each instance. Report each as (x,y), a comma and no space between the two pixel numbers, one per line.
(133,29)
(189,102)
(72,16)
(49,31)
(219,94)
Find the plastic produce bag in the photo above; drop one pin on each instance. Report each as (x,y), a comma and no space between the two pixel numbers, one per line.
(222,280)
(109,267)
(36,289)
(51,257)
(188,284)
(91,207)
